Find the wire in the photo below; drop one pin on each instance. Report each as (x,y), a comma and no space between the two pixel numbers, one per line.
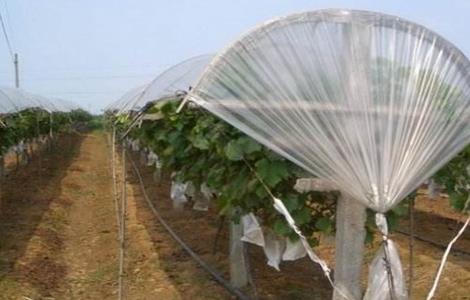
(7,39)
(70,70)
(218,277)
(91,77)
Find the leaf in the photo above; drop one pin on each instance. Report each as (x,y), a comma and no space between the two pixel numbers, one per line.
(272,172)
(248,145)
(280,227)
(291,202)
(324,224)
(401,209)
(302,216)
(200,142)
(168,151)
(233,151)
(457,200)
(369,237)
(261,191)
(392,220)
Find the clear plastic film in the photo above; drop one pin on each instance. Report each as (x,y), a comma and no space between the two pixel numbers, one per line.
(370,102)
(374,103)
(177,79)
(123,104)
(13,100)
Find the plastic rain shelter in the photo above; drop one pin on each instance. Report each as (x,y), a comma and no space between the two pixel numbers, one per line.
(13,100)
(122,104)
(168,84)
(374,103)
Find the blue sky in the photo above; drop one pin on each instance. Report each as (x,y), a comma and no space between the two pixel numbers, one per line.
(92,51)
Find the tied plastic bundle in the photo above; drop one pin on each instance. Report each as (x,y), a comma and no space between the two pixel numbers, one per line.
(178,194)
(275,248)
(371,102)
(152,158)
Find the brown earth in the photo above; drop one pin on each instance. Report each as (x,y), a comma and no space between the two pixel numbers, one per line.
(58,239)
(302,279)
(58,234)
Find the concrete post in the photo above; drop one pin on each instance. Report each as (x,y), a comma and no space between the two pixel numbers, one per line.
(239,275)
(349,250)
(350,235)
(2,166)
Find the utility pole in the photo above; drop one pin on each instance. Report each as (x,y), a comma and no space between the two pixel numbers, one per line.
(17,75)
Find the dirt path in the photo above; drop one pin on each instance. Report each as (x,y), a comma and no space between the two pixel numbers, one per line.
(58,233)
(63,229)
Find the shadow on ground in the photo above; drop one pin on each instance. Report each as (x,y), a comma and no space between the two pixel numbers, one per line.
(26,196)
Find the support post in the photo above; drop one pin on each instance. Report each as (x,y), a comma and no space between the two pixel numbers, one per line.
(349,250)
(17,74)
(51,135)
(350,214)
(239,273)
(350,236)
(2,166)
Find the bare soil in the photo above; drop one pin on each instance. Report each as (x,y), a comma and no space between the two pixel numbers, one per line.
(304,280)
(58,234)
(59,240)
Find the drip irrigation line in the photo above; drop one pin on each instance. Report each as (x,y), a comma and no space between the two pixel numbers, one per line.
(122,232)
(117,208)
(233,290)
(436,245)
(113,170)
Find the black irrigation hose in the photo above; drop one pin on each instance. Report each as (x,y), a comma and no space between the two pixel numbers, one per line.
(437,245)
(233,290)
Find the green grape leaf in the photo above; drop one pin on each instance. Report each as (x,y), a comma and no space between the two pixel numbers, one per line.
(324,224)
(271,172)
(233,151)
(280,227)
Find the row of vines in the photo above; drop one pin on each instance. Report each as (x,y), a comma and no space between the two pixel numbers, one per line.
(200,148)
(24,126)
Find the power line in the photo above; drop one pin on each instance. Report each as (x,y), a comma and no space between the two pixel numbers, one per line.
(90,77)
(6,37)
(130,68)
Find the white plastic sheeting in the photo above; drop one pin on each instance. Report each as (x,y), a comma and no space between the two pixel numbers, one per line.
(123,104)
(178,194)
(374,103)
(252,231)
(381,274)
(152,159)
(14,100)
(174,80)
(203,199)
(276,248)
(377,125)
